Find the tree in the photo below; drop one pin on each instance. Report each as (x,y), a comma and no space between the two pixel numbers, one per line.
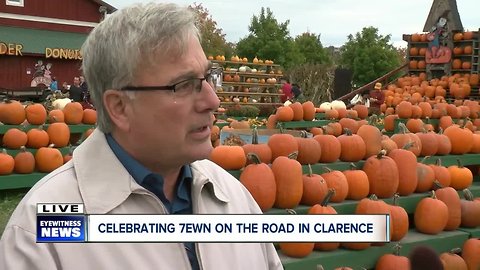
(213,40)
(369,56)
(310,46)
(269,40)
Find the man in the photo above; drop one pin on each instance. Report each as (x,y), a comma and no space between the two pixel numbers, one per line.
(75,90)
(377,98)
(149,79)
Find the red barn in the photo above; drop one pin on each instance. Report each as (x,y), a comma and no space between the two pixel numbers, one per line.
(41,39)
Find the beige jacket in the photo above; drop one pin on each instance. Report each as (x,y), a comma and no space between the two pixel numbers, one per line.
(96,178)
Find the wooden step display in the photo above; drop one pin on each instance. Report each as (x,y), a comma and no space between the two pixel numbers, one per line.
(250,86)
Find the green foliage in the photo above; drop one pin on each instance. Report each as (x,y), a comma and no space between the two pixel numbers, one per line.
(8,202)
(213,40)
(310,46)
(243,110)
(369,56)
(269,40)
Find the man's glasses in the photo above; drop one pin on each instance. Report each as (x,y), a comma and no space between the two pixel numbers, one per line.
(180,89)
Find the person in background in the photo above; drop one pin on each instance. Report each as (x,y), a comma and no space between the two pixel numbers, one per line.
(286,90)
(75,90)
(376,98)
(297,93)
(54,84)
(65,88)
(84,87)
(151,85)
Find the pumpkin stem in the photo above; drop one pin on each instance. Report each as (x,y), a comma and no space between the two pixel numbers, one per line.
(403,128)
(438,162)
(455,251)
(51,145)
(254,135)
(424,159)
(396,249)
(254,158)
(353,166)
(303,134)
(310,171)
(408,145)
(293,155)
(437,185)
(434,196)
(467,194)
(4,151)
(327,169)
(291,211)
(320,267)
(396,198)
(347,132)
(373,197)
(382,153)
(326,200)
(460,165)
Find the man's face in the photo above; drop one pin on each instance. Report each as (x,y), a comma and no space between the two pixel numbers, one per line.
(76,81)
(169,128)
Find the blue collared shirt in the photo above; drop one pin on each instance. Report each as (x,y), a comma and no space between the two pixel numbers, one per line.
(181,203)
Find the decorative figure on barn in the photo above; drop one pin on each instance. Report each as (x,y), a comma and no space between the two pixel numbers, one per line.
(42,75)
(437,52)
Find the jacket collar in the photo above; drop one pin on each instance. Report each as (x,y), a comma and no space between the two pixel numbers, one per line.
(104,183)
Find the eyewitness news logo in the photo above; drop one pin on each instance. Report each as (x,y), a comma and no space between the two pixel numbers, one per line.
(61,223)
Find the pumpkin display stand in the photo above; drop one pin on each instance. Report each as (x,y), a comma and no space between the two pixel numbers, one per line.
(18,181)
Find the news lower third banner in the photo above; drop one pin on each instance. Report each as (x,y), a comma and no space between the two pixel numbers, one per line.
(69,223)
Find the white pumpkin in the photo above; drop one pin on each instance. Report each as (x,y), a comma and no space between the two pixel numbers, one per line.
(338,104)
(325,106)
(60,103)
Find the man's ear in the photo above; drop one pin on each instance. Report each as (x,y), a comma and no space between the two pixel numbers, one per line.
(117,105)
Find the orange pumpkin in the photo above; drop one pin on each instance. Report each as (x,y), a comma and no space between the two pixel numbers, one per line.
(308,111)
(451,260)
(460,177)
(314,188)
(262,150)
(352,147)
(451,199)
(288,177)
(37,138)
(48,159)
(7,163)
(431,215)
(89,117)
(284,114)
(282,145)
(399,220)
(470,251)
(56,116)
(14,138)
(259,180)
(407,170)
(372,137)
(324,209)
(36,114)
(393,261)
(24,161)
(470,210)
(330,147)
(382,172)
(461,139)
(12,112)
(425,176)
(73,112)
(309,150)
(229,157)
(442,175)
(338,181)
(358,184)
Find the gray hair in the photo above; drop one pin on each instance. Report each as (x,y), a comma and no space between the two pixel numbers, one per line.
(123,44)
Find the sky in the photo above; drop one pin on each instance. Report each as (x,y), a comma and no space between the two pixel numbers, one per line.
(333,20)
